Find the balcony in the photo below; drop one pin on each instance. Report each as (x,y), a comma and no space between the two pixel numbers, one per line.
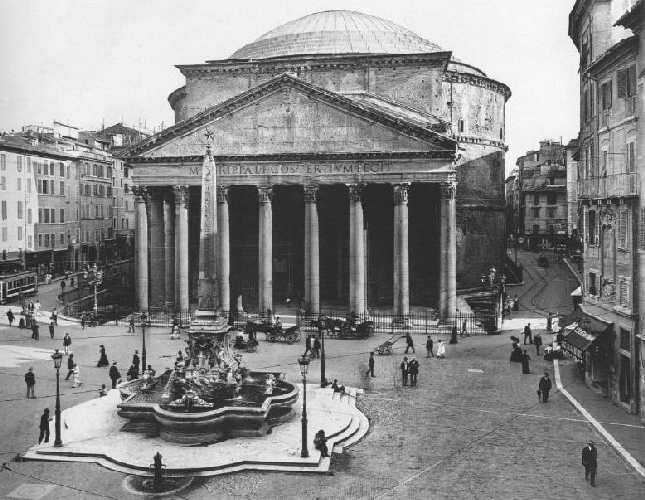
(610,186)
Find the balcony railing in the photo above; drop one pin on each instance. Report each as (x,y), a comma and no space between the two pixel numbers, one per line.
(611,186)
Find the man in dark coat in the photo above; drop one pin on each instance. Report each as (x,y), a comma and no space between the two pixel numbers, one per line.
(413,367)
(35,333)
(30,380)
(590,462)
(370,363)
(537,340)
(10,316)
(429,347)
(528,334)
(51,328)
(70,366)
(404,370)
(67,342)
(409,343)
(114,375)
(544,387)
(525,362)
(44,427)
(135,360)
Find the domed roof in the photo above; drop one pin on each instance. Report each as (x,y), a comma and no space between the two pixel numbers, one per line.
(336,32)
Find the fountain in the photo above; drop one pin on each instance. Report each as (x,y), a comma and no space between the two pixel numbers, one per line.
(209,396)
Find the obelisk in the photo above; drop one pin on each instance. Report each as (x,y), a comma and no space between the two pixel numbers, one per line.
(207,287)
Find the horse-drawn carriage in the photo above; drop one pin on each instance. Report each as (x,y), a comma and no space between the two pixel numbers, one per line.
(273,332)
(345,328)
(246,340)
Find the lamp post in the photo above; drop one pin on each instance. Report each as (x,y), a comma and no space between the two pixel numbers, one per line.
(303,361)
(144,366)
(323,379)
(58,358)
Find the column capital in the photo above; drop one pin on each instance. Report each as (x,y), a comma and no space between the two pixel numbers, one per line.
(141,194)
(222,194)
(265,194)
(356,192)
(311,193)
(400,192)
(181,194)
(448,190)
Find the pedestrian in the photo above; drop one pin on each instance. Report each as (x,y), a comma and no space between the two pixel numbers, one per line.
(10,316)
(114,374)
(590,462)
(441,350)
(525,362)
(83,319)
(549,320)
(51,329)
(102,391)
(429,347)
(150,371)
(409,342)
(537,340)
(44,426)
(135,360)
(307,345)
(453,334)
(317,347)
(54,317)
(103,360)
(544,387)
(528,334)
(463,327)
(370,364)
(76,376)
(131,324)
(67,342)
(414,371)
(70,366)
(132,373)
(516,303)
(30,380)
(35,331)
(404,370)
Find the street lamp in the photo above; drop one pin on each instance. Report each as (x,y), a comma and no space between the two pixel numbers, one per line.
(143,343)
(323,379)
(58,358)
(303,361)
(96,281)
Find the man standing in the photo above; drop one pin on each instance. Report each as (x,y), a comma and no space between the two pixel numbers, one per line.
(10,316)
(429,347)
(409,342)
(590,462)
(35,333)
(414,371)
(404,370)
(544,387)
(51,328)
(527,334)
(70,366)
(114,375)
(67,342)
(135,360)
(537,340)
(370,363)
(30,380)
(44,426)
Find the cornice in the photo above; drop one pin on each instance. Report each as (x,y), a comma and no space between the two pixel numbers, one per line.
(478,81)
(627,46)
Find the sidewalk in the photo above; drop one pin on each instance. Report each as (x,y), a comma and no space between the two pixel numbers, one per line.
(624,427)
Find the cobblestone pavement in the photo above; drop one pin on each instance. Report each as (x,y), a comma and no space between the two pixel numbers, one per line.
(473,427)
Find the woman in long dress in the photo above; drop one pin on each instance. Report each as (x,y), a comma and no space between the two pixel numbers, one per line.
(525,362)
(103,360)
(441,350)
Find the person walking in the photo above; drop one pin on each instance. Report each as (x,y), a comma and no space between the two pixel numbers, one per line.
(76,376)
(404,370)
(51,329)
(441,350)
(544,387)
(70,366)
(414,371)
(317,347)
(35,331)
(463,328)
(10,317)
(590,462)
(525,362)
(537,340)
(54,316)
(135,360)
(67,342)
(44,426)
(370,364)
(30,380)
(527,334)
(409,343)
(429,347)
(83,319)
(114,375)
(453,334)
(131,324)
(307,345)
(103,360)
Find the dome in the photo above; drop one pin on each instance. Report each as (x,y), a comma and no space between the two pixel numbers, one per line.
(336,32)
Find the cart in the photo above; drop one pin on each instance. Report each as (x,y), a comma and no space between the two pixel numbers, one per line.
(386,347)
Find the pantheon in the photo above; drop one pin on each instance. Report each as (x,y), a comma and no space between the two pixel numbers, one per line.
(355,165)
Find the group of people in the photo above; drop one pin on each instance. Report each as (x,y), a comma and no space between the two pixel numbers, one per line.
(312,346)
(409,371)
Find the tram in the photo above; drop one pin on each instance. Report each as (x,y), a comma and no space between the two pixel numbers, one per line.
(14,285)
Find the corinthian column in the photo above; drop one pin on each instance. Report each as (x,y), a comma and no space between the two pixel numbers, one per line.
(312,250)
(182,299)
(141,247)
(223,261)
(448,252)
(356,250)
(265,250)
(169,249)
(401,256)
(156,278)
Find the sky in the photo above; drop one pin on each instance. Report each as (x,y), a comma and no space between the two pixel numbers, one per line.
(88,62)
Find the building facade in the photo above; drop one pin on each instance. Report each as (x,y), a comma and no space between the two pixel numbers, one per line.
(323,151)
(609,37)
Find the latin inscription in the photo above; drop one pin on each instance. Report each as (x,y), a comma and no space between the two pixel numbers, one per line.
(304,169)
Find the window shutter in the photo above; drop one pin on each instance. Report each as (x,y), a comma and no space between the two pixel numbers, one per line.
(621,83)
(631,81)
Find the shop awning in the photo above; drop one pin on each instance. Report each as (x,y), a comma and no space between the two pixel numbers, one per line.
(580,339)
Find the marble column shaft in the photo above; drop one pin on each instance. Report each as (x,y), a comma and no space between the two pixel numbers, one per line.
(401,253)
(356,251)
(448,252)
(182,299)
(157,262)
(223,250)
(312,250)
(169,249)
(141,248)
(265,250)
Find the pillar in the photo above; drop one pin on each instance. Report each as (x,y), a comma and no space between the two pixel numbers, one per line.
(182,299)
(356,250)
(312,250)
(223,250)
(265,250)
(169,250)
(141,247)
(401,255)
(448,252)
(157,263)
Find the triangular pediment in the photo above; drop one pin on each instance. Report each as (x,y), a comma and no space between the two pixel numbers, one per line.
(288,116)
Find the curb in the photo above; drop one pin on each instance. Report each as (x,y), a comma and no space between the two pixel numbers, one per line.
(598,426)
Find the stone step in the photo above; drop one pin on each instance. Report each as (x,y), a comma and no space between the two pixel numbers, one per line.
(147,428)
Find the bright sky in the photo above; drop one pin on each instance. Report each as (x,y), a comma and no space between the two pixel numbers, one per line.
(87,61)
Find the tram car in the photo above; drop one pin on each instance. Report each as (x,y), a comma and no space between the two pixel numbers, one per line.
(18,284)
